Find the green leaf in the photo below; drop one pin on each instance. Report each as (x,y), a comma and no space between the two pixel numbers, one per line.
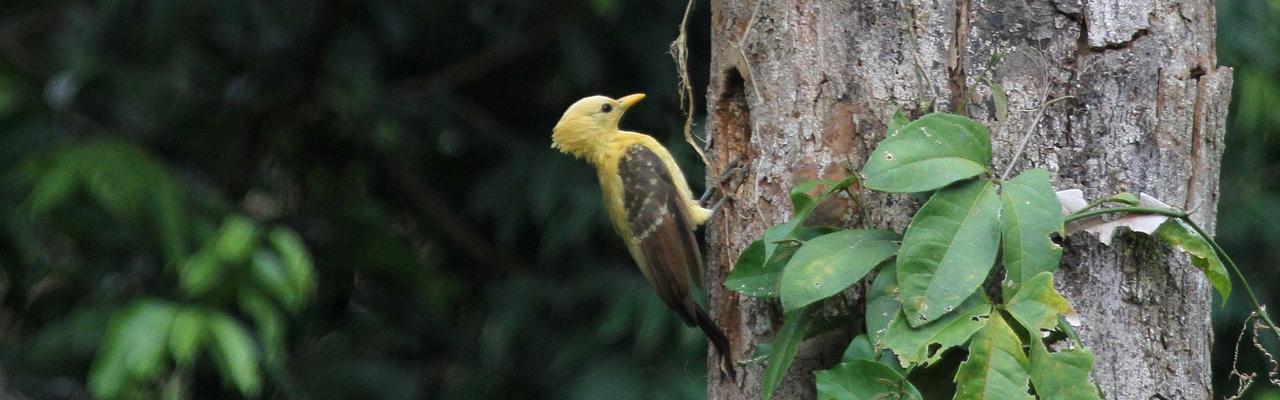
(803,203)
(861,348)
(996,368)
(133,349)
(1038,304)
(1176,234)
(912,344)
(1126,198)
(749,276)
(236,353)
(897,121)
(54,187)
(186,336)
(1030,214)
(1001,101)
(201,273)
(863,380)
(269,273)
(1063,375)
(169,222)
(828,264)
(882,302)
(236,239)
(755,276)
(927,154)
(146,330)
(270,328)
(948,249)
(784,348)
(297,260)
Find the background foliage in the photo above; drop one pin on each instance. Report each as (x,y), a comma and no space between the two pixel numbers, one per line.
(451,252)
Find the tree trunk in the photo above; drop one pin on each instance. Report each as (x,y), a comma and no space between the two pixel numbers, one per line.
(800,88)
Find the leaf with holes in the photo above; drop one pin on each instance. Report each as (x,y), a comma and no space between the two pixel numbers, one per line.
(925,344)
(861,348)
(996,368)
(948,249)
(1063,375)
(1176,234)
(1038,304)
(929,153)
(1030,215)
(863,380)
(828,264)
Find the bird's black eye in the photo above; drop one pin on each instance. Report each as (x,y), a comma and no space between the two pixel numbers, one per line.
(606,108)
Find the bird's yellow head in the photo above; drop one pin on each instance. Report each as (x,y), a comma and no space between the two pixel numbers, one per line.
(589,124)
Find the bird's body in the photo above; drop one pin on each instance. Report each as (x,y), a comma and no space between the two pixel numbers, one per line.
(649,203)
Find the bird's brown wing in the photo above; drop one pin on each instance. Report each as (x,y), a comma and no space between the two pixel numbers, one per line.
(661,229)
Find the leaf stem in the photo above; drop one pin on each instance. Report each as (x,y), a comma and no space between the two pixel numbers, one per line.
(1231,264)
(1114,210)
(1066,328)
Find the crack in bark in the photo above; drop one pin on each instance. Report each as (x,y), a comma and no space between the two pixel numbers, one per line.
(1197,124)
(955,58)
(1138,34)
(731,122)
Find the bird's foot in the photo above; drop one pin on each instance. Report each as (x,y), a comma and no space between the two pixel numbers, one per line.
(732,176)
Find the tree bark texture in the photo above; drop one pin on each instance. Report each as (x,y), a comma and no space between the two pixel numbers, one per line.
(800,89)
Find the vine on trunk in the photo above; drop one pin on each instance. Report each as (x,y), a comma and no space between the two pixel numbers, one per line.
(928,294)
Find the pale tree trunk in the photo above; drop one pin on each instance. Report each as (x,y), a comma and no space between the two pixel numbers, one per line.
(808,90)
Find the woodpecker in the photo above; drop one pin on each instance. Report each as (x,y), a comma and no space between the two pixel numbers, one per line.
(649,203)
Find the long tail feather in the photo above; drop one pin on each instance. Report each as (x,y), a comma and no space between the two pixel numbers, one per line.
(718,340)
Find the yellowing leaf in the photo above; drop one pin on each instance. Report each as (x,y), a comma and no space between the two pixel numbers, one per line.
(1037,305)
(828,264)
(996,368)
(1176,234)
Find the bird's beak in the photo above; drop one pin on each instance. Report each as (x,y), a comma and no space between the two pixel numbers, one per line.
(628,101)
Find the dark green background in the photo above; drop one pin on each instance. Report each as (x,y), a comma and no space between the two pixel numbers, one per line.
(456,255)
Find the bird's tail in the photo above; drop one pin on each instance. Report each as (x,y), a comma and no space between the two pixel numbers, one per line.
(718,340)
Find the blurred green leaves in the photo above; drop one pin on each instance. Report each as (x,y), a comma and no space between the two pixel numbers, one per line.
(153,342)
(119,177)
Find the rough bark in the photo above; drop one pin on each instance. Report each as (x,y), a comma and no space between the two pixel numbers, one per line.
(800,87)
